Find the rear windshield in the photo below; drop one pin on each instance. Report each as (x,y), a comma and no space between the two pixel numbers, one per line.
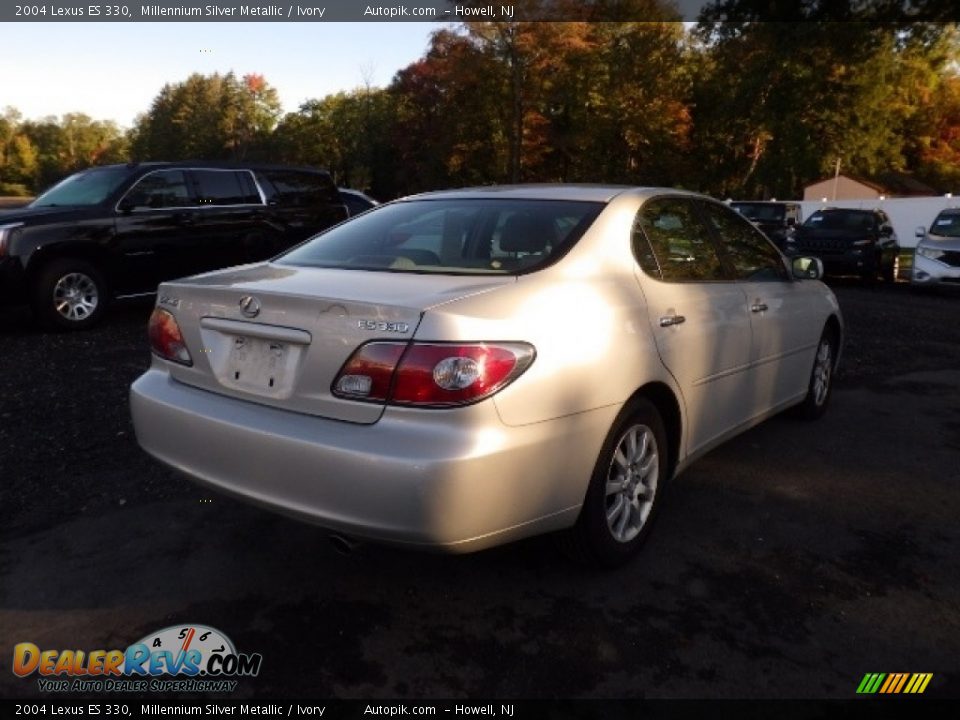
(90,187)
(947,224)
(451,236)
(841,220)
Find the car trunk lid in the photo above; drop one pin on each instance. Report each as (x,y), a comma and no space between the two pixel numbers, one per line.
(278,335)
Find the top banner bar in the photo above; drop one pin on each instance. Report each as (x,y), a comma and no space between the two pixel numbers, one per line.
(479,10)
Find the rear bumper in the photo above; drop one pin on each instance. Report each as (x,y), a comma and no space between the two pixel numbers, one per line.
(457,480)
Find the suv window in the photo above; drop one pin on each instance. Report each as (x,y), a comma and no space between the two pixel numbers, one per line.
(842,219)
(160,189)
(672,243)
(748,250)
(225,187)
(296,188)
(89,187)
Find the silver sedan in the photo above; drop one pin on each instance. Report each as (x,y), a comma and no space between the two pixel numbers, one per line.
(462,369)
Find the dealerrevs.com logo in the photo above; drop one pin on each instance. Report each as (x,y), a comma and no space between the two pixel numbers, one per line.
(199,657)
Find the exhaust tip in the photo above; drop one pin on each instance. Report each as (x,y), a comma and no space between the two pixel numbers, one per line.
(343,545)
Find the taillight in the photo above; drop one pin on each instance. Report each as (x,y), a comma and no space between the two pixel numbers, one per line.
(431,374)
(367,374)
(166,339)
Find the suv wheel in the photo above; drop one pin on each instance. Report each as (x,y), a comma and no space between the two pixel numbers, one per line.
(621,500)
(70,294)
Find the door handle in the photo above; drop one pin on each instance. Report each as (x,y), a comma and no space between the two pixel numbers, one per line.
(668,320)
(758,307)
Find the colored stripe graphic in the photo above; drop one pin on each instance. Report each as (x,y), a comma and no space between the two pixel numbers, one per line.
(894,683)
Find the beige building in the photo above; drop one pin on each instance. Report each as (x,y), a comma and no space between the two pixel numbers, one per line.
(847,187)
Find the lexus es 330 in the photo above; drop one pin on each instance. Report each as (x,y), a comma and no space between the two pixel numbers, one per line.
(465,368)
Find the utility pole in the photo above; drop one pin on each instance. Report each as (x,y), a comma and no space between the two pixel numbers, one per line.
(836,179)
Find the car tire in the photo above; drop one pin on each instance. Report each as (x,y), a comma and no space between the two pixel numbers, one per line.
(621,500)
(70,294)
(820,387)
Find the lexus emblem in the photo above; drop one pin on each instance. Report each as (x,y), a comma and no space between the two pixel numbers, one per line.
(249,306)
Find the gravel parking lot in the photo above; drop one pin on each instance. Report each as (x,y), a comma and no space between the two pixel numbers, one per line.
(787,563)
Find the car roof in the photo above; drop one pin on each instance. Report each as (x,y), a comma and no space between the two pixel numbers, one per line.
(212,164)
(548,191)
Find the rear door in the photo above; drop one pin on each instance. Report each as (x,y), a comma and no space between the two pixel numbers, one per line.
(231,222)
(698,315)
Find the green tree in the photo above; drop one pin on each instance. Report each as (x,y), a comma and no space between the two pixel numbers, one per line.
(211,117)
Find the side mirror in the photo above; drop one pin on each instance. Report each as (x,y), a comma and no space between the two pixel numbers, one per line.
(807,268)
(921,231)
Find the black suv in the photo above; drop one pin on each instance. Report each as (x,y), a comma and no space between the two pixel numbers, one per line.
(776,219)
(849,241)
(119,230)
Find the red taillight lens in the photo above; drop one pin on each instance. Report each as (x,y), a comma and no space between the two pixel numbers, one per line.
(166,339)
(431,374)
(368,372)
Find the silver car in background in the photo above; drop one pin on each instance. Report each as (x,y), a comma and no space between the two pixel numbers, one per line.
(461,369)
(936,260)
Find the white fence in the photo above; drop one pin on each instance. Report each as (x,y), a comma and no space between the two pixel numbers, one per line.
(906,214)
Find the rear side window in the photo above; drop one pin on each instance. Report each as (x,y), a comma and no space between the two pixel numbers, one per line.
(225,187)
(473,236)
(297,188)
(671,243)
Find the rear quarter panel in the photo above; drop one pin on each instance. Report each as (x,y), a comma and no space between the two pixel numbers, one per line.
(584,315)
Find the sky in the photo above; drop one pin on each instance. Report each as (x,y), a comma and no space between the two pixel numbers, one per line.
(112,71)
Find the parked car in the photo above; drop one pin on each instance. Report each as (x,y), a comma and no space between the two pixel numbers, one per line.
(936,261)
(119,230)
(849,242)
(356,201)
(777,219)
(461,369)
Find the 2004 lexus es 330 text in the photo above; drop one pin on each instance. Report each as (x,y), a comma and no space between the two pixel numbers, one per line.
(460,369)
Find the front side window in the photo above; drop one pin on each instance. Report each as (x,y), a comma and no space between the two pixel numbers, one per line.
(161,189)
(672,243)
(466,236)
(90,187)
(752,256)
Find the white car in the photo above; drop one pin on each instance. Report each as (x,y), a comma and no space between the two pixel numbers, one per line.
(936,260)
(461,369)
